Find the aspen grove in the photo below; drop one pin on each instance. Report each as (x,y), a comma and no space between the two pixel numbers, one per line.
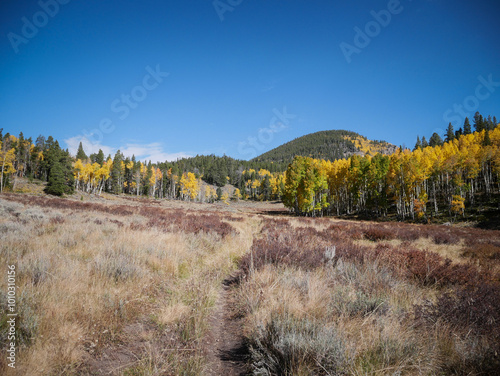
(416,183)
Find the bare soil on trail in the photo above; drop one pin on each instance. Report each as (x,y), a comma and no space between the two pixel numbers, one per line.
(226,350)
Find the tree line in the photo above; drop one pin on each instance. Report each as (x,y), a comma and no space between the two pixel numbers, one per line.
(438,177)
(443,178)
(196,179)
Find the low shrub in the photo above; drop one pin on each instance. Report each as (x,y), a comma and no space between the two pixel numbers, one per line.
(290,346)
(473,312)
(274,252)
(484,251)
(376,233)
(118,265)
(445,238)
(358,304)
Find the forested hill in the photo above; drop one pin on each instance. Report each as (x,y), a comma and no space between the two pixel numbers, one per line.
(328,145)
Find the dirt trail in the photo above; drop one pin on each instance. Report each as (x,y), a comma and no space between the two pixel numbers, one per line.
(225,346)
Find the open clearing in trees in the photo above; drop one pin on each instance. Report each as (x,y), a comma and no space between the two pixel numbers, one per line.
(127,286)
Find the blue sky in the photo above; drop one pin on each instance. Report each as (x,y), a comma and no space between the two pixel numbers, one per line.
(164,79)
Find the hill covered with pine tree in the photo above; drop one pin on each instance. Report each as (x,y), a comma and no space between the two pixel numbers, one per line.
(328,145)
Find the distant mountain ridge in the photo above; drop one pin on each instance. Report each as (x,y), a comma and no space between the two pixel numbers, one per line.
(329,145)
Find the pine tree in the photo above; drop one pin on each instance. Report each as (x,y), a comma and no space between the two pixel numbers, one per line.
(418,144)
(56,183)
(435,140)
(489,123)
(487,140)
(80,154)
(116,173)
(66,162)
(266,188)
(244,192)
(459,133)
(424,143)
(100,157)
(467,127)
(450,135)
(219,193)
(40,142)
(146,181)
(478,122)
(128,175)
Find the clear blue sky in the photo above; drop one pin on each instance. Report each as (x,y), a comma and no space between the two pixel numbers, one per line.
(232,71)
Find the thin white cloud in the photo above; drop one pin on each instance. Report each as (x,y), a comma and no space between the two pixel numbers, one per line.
(151,152)
(143,152)
(89,147)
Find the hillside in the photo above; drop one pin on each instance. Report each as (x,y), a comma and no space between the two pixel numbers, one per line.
(329,145)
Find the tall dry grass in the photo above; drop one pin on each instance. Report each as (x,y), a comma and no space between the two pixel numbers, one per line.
(319,300)
(102,290)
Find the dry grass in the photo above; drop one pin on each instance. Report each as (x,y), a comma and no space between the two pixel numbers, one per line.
(85,279)
(384,304)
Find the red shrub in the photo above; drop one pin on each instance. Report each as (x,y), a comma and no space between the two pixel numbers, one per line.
(377,232)
(470,310)
(483,251)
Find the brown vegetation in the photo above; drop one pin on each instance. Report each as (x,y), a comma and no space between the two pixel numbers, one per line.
(96,297)
(319,300)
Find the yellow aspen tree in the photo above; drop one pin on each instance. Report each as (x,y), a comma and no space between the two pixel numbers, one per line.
(189,185)
(7,158)
(237,194)
(78,168)
(210,193)
(225,198)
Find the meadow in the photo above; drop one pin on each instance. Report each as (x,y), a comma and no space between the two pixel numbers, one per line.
(124,286)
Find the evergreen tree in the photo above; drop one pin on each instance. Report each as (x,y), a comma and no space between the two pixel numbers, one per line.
(128,175)
(56,183)
(467,127)
(418,144)
(435,140)
(40,143)
(147,178)
(266,188)
(244,192)
(116,173)
(97,158)
(488,124)
(80,154)
(21,151)
(487,140)
(424,143)
(459,133)
(100,157)
(450,135)
(478,122)
(495,122)
(66,162)
(219,193)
